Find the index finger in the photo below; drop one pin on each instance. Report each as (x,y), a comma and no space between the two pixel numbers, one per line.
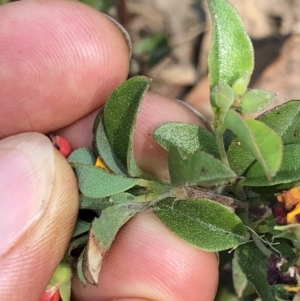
(59,61)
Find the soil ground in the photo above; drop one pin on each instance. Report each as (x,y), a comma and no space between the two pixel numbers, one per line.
(273,25)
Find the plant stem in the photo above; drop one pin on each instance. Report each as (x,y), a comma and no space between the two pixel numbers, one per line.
(195,193)
(260,245)
(219,131)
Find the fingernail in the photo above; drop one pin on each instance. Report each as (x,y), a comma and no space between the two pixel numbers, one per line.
(23,193)
(124,32)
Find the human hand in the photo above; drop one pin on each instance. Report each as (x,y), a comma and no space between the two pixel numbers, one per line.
(59,62)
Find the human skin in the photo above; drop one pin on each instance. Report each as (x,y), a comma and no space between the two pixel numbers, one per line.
(59,62)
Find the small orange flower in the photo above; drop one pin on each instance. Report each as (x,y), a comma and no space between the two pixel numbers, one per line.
(291,201)
(100,163)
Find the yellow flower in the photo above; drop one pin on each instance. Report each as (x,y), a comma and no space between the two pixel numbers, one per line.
(100,163)
(291,201)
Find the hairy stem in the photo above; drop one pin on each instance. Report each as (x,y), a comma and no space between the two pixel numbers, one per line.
(196,192)
(219,131)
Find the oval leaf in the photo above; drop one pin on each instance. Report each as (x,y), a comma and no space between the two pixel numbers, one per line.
(120,115)
(95,182)
(254,101)
(202,223)
(253,264)
(241,284)
(262,141)
(288,172)
(198,168)
(81,227)
(82,156)
(284,120)
(103,232)
(231,54)
(239,87)
(187,137)
(222,96)
(104,149)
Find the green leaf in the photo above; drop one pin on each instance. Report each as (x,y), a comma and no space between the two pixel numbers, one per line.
(253,264)
(222,96)
(123,198)
(231,54)
(117,199)
(263,142)
(273,189)
(93,203)
(95,182)
(254,101)
(241,285)
(103,232)
(120,116)
(289,231)
(198,168)
(239,156)
(103,148)
(81,227)
(77,243)
(288,172)
(239,86)
(283,248)
(204,224)
(79,267)
(187,137)
(284,120)
(82,156)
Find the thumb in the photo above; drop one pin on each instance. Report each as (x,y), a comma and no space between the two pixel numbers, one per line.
(38,208)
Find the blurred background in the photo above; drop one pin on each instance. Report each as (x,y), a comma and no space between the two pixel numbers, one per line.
(171,40)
